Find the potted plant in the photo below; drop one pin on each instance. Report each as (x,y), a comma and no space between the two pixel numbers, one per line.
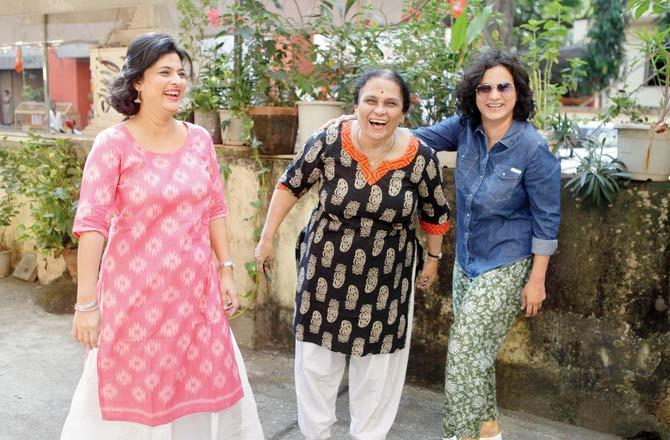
(205,98)
(325,68)
(50,176)
(314,88)
(598,176)
(263,45)
(645,150)
(236,93)
(8,204)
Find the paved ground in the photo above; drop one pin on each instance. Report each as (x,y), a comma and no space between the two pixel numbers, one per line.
(40,365)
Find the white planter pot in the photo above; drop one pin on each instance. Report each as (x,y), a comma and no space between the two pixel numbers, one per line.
(210,122)
(447,158)
(646,154)
(312,115)
(5,263)
(231,128)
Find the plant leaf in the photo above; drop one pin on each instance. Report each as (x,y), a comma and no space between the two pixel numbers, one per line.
(458,32)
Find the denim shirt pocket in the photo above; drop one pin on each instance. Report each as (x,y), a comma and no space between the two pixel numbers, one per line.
(466,162)
(502,181)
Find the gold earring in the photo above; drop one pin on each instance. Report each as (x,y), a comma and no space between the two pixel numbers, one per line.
(138,100)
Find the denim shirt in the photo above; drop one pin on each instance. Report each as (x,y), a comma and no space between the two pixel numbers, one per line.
(508,199)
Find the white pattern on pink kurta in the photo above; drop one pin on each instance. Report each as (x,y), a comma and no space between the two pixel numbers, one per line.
(165,348)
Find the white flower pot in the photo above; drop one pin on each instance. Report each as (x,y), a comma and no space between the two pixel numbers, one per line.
(312,115)
(5,263)
(646,154)
(231,128)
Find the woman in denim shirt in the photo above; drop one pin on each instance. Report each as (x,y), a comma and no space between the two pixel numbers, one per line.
(508,213)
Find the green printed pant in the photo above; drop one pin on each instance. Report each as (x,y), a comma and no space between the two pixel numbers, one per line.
(484,309)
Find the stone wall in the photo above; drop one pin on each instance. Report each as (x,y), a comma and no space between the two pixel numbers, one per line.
(599,353)
(597,356)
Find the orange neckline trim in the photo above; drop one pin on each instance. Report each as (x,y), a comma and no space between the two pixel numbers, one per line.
(372,177)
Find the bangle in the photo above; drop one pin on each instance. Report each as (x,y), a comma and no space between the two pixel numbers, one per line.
(225,264)
(438,256)
(88,307)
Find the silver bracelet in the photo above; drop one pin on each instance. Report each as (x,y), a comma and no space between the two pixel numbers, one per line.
(88,307)
(225,264)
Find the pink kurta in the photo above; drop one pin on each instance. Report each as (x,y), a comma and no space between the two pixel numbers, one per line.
(165,348)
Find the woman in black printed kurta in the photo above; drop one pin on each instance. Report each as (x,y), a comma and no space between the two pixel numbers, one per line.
(357,254)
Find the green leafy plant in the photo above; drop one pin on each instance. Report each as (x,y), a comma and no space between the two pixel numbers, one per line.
(542,40)
(206,93)
(605,49)
(623,105)
(193,22)
(353,37)
(9,186)
(431,68)
(29,93)
(262,52)
(564,133)
(599,176)
(655,45)
(49,176)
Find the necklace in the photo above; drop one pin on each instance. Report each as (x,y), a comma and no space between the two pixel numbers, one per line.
(386,148)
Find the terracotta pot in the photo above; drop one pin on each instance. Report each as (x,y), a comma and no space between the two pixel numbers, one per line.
(210,122)
(5,263)
(276,128)
(70,257)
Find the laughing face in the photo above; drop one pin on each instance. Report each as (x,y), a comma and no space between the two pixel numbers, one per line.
(379,110)
(163,84)
(496,103)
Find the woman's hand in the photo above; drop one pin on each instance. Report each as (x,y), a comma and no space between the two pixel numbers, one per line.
(85,328)
(337,121)
(532,296)
(264,254)
(230,297)
(428,275)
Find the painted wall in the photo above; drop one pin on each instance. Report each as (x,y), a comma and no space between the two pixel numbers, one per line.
(69,81)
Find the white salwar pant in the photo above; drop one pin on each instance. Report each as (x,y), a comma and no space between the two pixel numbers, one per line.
(375,386)
(84,422)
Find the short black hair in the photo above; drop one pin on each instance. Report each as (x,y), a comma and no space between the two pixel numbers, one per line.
(466,94)
(386,74)
(142,53)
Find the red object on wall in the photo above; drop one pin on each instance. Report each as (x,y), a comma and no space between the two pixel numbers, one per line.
(19,60)
(69,81)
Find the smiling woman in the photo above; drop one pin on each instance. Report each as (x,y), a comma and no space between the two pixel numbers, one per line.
(153,307)
(508,197)
(358,256)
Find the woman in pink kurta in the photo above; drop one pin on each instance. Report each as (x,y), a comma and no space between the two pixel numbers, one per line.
(164,347)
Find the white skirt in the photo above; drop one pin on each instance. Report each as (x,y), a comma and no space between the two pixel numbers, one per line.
(84,421)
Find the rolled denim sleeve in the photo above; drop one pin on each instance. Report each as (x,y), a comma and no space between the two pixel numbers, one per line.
(442,136)
(542,181)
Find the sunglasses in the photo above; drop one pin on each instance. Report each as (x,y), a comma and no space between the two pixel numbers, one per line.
(504,88)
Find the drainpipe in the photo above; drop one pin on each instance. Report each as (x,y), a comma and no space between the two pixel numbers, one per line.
(45,74)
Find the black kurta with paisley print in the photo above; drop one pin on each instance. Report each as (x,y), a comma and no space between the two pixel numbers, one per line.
(356,254)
